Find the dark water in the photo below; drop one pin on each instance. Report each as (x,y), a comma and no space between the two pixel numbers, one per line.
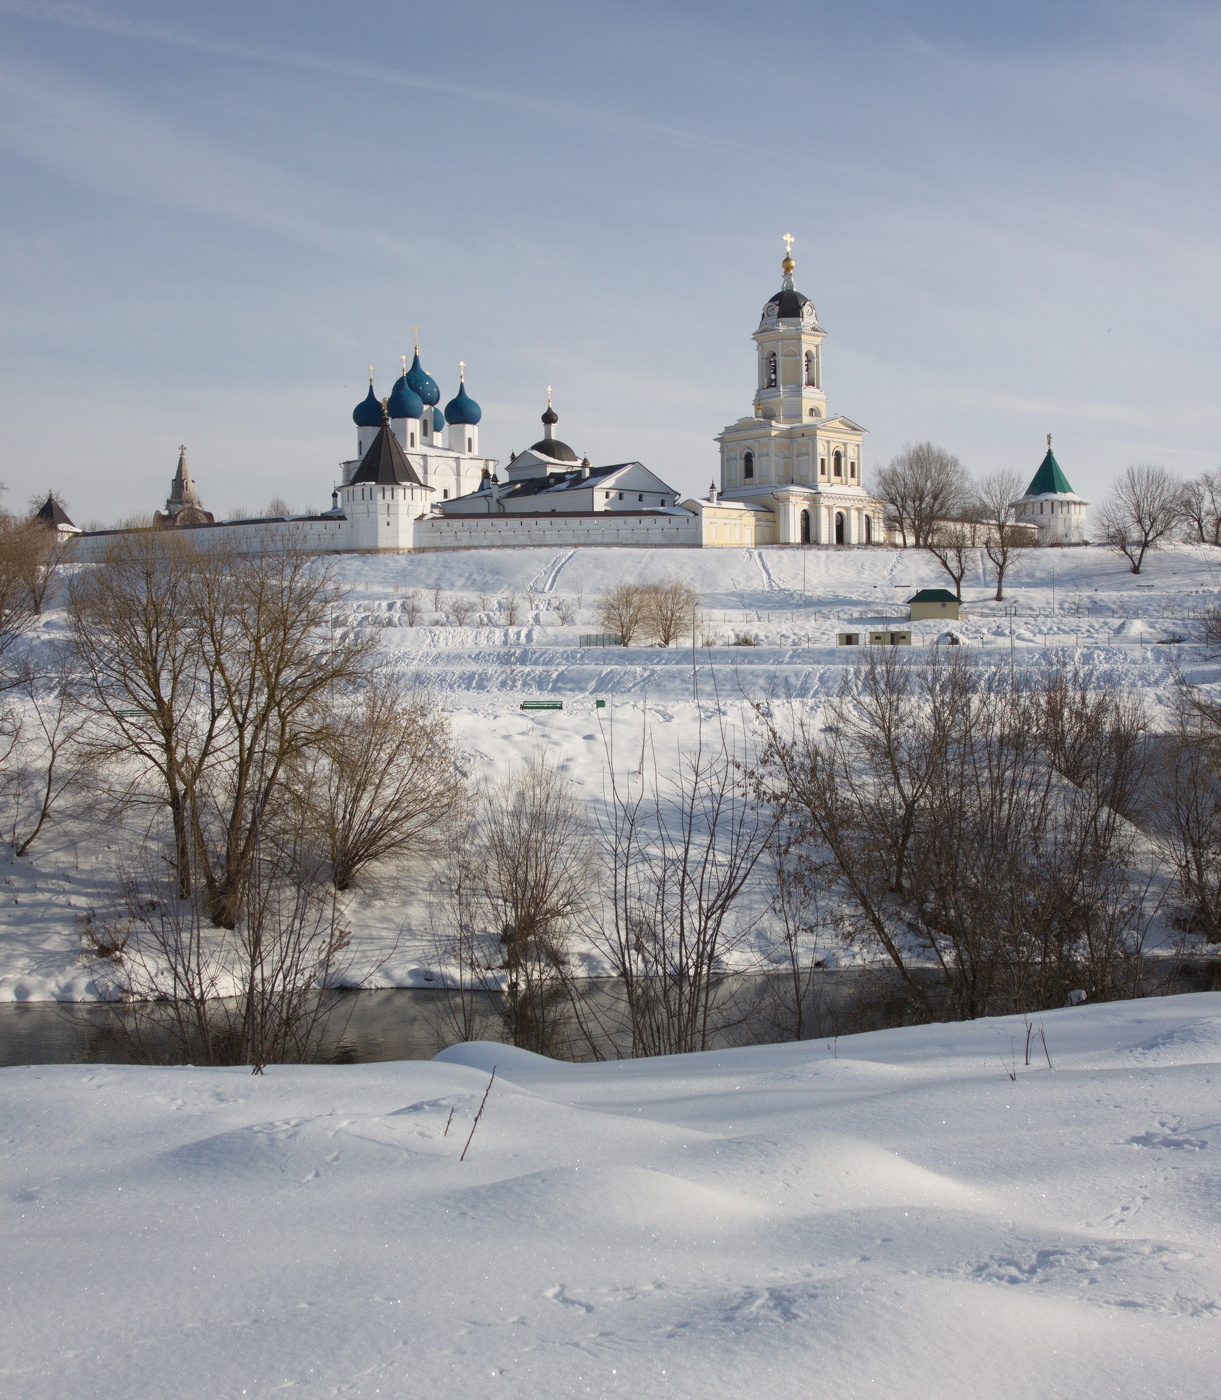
(414,1024)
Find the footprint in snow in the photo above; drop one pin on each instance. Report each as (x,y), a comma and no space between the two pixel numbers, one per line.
(1191,1144)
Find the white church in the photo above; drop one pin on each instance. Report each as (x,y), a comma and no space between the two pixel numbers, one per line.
(791,473)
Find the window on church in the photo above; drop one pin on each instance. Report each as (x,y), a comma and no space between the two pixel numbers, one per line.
(822,466)
(411,436)
(852,470)
(810,368)
(748,465)
(468,443)
(445,495)
(771,370)
(838,460)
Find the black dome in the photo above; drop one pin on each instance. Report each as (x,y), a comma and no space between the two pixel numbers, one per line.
(555,449)
(788,305)
(551,416)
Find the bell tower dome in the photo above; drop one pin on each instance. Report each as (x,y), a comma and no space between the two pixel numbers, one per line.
(790,353)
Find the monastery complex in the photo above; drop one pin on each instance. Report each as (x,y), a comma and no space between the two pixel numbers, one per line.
(791,473)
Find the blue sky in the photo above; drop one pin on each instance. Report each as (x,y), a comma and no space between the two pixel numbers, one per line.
(214,217)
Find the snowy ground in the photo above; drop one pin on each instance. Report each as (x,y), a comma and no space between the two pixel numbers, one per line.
(1081,603)
(890,1216)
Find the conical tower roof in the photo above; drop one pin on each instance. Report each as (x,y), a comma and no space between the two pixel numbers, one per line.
(385,463)
(52,513)
(1049,479)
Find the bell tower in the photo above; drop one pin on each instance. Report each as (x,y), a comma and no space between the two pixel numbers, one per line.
(789,341)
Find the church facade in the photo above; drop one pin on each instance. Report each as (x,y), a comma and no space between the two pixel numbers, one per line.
(802,465)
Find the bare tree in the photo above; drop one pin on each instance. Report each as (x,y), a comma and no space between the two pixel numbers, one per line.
(460,610)
(135,635)
(17,605)
(1003,539)
(1202,509)
(1185,818)
(510,606)
(680,857)
(385,784)
(1146,505)
(934,796)
(520,881)
(921,486)
(271,666)
(410,607)
(623,609)
(670,609)
(216,672)
(952,543)
(566,611)
(53,762)
(255,994)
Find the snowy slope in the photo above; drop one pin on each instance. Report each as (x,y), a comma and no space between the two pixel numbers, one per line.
(1079,603)
(889,1216)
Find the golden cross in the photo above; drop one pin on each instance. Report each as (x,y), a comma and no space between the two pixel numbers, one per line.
(1049,442)
(403,362)
(788,245)
(548,395)
(461,369)
(415,335)
(370,374)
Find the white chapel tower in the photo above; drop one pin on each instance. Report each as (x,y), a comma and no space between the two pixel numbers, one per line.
(789,456)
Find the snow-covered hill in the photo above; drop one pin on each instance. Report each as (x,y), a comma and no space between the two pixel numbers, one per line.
(911,1214)
(1081,602)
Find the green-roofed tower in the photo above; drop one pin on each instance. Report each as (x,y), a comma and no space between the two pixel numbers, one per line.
(1052,504)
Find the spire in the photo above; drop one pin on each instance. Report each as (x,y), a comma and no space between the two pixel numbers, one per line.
(182,489)
(550,417)
(788,264)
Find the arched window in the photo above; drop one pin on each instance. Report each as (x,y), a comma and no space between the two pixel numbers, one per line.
(771,370)
(813,413)
(748,465)
(810,379)
(839,527)
(838,462)
(468,443)
(869,529)
(805,527)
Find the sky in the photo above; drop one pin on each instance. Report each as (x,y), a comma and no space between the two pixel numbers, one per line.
(216,217)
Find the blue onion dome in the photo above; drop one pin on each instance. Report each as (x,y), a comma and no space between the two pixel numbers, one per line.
(368,412)
(423,383)
(438,421)
(404,401)
(462,408)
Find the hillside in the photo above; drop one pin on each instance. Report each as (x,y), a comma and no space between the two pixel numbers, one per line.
(1081,603)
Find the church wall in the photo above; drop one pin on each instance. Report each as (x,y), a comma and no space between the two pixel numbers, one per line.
(603,528)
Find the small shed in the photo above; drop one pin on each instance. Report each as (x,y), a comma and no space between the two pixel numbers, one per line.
(933,602)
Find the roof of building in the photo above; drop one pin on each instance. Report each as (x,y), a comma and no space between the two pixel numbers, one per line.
(551,446)
(462,408)
(423,384)
(788,303)
(404,402)
(385,463)
(1049,480)
(52,513)
(934,595)
(368,412)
